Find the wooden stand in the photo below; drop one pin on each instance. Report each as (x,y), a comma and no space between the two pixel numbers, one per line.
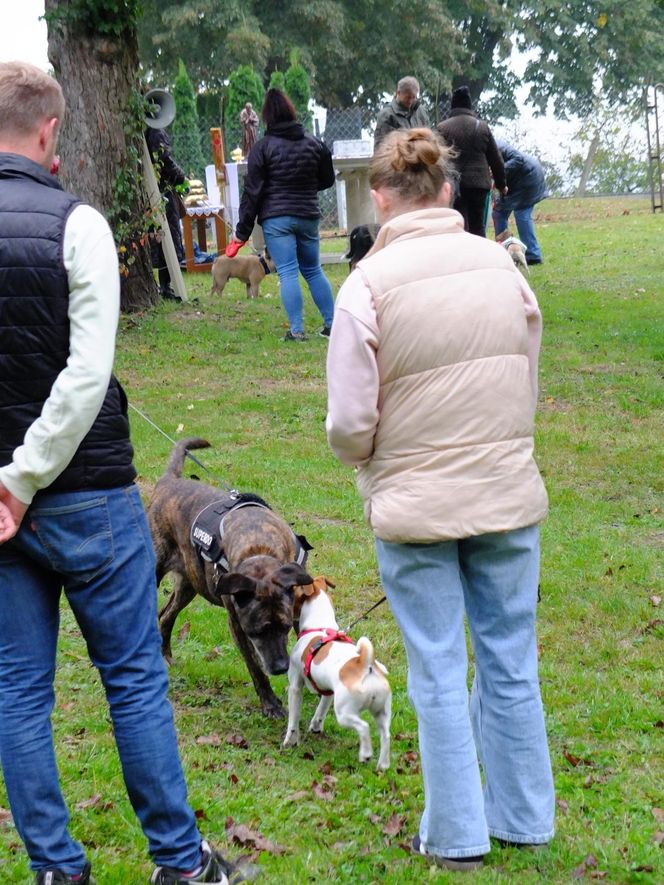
(201,236)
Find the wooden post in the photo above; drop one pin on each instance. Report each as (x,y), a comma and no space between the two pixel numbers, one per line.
(170,255)
(220,170)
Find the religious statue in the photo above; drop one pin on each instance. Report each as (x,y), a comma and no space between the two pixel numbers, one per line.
(249,123)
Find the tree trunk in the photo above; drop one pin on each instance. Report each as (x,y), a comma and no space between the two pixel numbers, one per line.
(98,74)
(588,164)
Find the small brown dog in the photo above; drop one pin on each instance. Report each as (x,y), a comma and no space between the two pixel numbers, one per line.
(515,249)
(250,269)
(252,568)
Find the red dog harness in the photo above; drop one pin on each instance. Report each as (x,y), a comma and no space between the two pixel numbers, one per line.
(329,635)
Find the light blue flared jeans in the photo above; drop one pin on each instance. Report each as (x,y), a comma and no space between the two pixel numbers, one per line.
(491,579)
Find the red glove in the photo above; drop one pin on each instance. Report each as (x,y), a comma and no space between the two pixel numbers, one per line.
(234,247)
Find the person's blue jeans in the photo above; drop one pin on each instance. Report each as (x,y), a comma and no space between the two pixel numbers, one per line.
(294,245)
(493,580)
(96,546)
(525,227)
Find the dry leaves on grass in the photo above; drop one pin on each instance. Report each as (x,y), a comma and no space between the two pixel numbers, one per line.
(576,761)
(93,802)
(394,825)
(215,740)
(242,835)
(5,816)
(588,866)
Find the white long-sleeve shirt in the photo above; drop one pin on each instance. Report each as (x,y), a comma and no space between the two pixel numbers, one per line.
(78,392)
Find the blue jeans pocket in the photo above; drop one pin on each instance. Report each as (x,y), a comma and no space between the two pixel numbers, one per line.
(77,538)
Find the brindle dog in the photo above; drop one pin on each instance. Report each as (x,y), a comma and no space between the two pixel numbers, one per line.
(258,589)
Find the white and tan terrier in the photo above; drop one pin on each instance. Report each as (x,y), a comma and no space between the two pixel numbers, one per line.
(337,669)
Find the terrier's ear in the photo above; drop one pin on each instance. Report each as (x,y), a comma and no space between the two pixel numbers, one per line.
(321,583)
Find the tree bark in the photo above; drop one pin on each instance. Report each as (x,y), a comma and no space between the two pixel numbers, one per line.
(98,74)
(588,164)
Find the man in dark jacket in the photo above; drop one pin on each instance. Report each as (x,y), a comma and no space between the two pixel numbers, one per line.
(169,175)
(405,111)
(477,160)
(526,186)
(71,516)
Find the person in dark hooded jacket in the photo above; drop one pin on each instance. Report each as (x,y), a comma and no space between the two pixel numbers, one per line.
(285,170)
(477,160)
(526,186)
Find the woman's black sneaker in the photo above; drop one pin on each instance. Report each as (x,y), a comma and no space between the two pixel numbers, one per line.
(460,864)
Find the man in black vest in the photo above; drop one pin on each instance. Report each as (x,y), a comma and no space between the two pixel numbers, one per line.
(71,517)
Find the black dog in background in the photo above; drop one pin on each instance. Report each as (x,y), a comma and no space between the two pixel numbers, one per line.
(361,240)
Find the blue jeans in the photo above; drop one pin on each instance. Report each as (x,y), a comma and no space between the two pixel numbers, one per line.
(525,227)
(96,546)
(294,246)
(493,580)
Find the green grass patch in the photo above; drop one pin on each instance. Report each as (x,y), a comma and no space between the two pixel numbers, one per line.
(216,367)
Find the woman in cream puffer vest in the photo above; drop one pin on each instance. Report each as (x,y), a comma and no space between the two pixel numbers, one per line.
(432,387)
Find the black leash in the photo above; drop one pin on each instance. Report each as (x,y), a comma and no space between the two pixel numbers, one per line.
(362,617)
(186,451)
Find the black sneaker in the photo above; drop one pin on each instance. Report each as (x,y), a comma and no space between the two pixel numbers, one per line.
(215,869)
(294,336)
(325,331)
(460,864)
(57,877)
(168,294)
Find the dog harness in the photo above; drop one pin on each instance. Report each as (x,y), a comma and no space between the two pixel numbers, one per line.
(207,529)
(264,264)
(329,635)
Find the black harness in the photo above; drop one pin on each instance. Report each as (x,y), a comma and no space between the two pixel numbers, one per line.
(264,264)
(207,529)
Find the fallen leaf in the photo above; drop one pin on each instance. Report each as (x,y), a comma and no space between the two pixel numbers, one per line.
(579,872)
(655,600)
(234,779)
(89,803)
(394,825)
(184,630)
(643,868)
(236,740)
(5,815)
(374,818)
(211,740)
(590,860)
(658,838)
(575,761)
(563,805)
(200,814)
(599,874)
(243,835)
(179,428)
(658,814)
(326,768)
(295,797)
(213,653)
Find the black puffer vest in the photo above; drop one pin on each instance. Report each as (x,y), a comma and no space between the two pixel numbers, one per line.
(34,328)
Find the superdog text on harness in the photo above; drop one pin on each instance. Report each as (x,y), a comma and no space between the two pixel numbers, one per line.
(329,635)
(207,530)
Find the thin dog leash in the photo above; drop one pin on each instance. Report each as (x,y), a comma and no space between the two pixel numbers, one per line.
(186,451)
(367,612)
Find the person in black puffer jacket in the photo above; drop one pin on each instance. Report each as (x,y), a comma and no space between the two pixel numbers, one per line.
(478,158)
(286,169)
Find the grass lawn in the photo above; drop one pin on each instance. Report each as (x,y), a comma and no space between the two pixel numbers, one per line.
(217,368)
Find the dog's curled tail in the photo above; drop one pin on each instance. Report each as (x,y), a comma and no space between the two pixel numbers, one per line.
(176,461)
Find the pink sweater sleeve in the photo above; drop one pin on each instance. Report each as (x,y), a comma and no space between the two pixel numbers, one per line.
(352,374)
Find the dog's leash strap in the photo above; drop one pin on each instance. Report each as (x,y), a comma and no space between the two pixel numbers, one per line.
(362,617)
(186,451)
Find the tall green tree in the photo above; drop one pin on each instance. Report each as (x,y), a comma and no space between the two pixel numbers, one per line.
(244,84)
(296,83)
(356,50)
(186,127)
